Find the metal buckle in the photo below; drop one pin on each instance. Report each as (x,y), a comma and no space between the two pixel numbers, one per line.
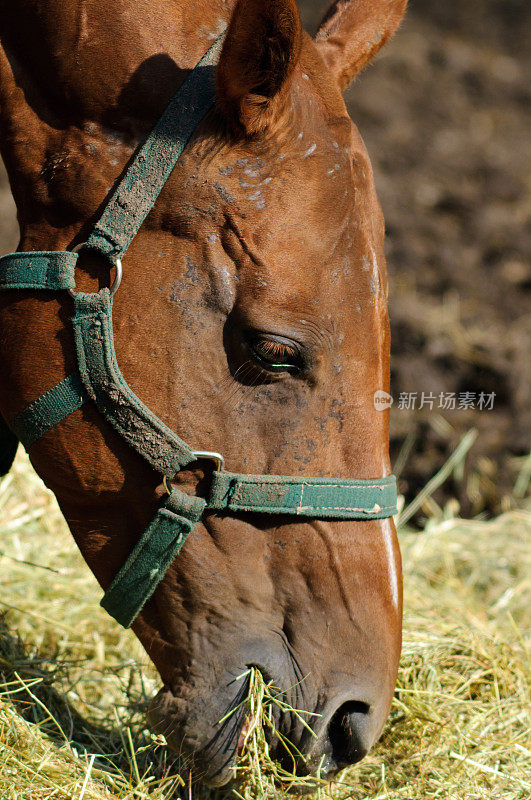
(117,262)
(216,457)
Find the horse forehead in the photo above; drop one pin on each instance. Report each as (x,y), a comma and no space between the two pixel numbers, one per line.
(294,201)
(323,244)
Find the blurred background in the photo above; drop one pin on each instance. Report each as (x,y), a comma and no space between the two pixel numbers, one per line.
(445,113)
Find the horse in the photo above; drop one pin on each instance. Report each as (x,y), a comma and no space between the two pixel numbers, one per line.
(252,319)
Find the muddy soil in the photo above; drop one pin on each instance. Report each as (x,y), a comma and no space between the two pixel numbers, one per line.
(445,114)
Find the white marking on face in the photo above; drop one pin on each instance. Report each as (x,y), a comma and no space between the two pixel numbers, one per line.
(391,560)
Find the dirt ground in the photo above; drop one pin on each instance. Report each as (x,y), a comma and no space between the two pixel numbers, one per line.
(444,112)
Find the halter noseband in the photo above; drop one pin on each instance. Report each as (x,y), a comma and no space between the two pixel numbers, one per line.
(98,378)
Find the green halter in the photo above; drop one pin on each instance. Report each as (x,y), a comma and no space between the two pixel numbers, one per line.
(100,381)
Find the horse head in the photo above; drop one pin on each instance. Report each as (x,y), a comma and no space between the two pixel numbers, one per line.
(252,318)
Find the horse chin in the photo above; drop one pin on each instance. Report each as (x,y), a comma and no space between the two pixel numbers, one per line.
(202,744)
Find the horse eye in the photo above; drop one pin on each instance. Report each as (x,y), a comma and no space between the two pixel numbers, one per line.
(274,353)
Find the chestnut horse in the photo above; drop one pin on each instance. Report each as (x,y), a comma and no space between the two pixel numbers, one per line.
(252,318)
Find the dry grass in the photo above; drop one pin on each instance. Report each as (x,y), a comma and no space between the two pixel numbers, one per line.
(256,774)
(74,684)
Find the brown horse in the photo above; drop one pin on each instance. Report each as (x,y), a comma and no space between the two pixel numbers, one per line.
(269,231)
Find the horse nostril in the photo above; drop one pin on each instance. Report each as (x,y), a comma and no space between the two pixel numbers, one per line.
(347,733)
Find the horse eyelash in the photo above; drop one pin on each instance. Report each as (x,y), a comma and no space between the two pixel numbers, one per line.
(275,349)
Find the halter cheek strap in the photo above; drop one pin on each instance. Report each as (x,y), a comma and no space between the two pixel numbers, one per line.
(98,378)
(107,387)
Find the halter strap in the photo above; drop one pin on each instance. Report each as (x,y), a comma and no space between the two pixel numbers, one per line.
(38,270)
(99,379)
(148,563)
(107,387)
(142,183)
(303,497)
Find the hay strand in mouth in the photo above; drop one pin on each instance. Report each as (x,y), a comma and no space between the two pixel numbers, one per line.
(256,773)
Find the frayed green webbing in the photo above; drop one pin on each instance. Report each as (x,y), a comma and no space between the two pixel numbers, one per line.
(8,447)
(38,270)
(149,561)
(49,409)
(153,164)
(304,497)
(105,384)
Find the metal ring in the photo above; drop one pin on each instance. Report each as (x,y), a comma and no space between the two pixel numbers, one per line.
(216,457)
(117,263)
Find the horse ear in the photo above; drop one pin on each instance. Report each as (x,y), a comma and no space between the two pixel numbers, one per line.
(353,31)
(260,51)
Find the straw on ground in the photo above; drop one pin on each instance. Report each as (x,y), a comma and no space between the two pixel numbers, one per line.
(74,684)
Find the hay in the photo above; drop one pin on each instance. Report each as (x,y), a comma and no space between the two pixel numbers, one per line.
(73,684)
(256,774)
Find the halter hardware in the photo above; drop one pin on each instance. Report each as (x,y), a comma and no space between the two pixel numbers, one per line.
(98,378)
(115,261)
(217,458)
